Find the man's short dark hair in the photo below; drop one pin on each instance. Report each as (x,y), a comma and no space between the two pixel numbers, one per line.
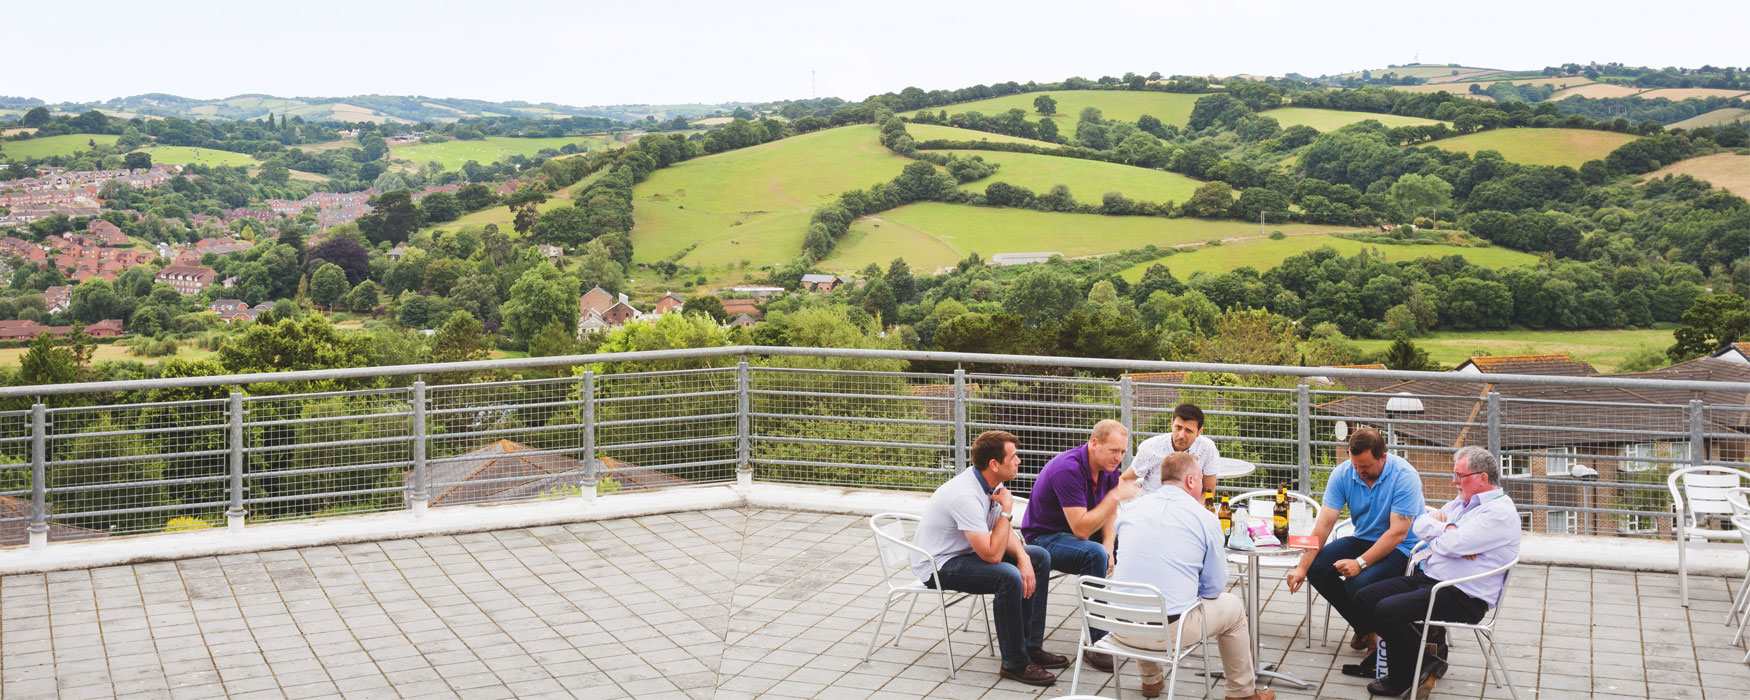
(1189,412)
(1367,440)
(989,445)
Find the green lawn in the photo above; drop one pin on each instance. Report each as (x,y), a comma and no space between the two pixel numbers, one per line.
(753,204)
(1334,119)
(64,145)
(1088,180)
(926,132)
(1604,349)
(1263,254)
(452,154)
(1117,105)
(1570,147)
(113,352)
(190,155)
(932,235)
(501,215)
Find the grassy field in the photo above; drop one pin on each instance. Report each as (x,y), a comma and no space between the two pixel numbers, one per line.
(1680,94)
(112,352)
(500,214)
(1604,349)
(1334,119)
(1263,254)
(753,204)
(933,235)
(1727,171)
(189,155)
(1717,117)
(1119,105)
(1088,180)
(926,132)
(1463,88)
(1596,91)
(1570,147)
(452,154)
(1431,73)
(63,145)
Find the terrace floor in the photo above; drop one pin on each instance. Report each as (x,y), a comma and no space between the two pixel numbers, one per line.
(722,603)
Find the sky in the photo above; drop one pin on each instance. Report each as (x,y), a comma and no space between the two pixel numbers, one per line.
(602,52)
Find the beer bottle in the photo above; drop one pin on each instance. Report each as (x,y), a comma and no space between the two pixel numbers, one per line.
(1226,515)
(1279,517)
(1209,500)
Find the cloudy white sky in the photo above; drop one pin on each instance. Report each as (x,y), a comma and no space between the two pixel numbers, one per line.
(592,52)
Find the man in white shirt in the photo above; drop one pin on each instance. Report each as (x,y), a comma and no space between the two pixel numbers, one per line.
(1168,540)
(968,532)
(1476,532)
(1186,436)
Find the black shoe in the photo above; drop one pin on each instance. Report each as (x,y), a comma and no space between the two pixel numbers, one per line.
(1032,675)
(1380,687)
(1047,660)
(1363,669)
(1100,662)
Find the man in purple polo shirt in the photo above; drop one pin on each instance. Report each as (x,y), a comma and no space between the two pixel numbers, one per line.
(1075,499)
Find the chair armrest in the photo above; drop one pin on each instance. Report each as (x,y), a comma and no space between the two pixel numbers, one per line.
(1466,579)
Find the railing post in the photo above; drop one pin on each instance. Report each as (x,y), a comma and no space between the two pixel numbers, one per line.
(1494,419)
(1127,416)
(1697,443)
(235,515)
(744,427)
(591,467)
(1303,434)
(420,498)
(39,476)
(959,420)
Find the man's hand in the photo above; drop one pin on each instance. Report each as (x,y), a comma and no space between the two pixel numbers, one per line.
(1439,515)
(1296,577)
(1347,567)
(1111,561)
(1002,498)
(1027,580)
(1126,490)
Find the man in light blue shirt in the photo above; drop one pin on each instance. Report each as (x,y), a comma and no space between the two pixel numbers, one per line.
(1475,533)
(1170,541)
(1384,495)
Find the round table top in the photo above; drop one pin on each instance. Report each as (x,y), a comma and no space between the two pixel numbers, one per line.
(1228,467)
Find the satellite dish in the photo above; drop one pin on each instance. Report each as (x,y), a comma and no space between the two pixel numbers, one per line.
(1341,429)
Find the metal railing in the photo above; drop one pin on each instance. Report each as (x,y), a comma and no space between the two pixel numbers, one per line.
(1582,454)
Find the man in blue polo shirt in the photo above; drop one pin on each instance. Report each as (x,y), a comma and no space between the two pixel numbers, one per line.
(1384,496)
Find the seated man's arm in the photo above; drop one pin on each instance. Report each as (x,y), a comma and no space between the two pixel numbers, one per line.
(1209,477)
(1479,531)
(1084,522)
(1431,525)
(1213,579)
(987,546)
(1394,536)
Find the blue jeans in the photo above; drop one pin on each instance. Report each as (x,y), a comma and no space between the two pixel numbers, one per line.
(1074,555)
(1020,620)
(1340,592)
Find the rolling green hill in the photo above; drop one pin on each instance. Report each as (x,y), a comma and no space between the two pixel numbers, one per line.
(1264,253)
(1118,105)
(1334,119)
(933,235)
(190,155)
(1605,349)
(1088,180)
(63,145)
(753,204)
(1718,117)
(1570,147)
(927,132)
(453,154)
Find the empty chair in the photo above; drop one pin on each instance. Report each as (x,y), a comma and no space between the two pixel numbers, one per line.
(893,543)
(1698,493)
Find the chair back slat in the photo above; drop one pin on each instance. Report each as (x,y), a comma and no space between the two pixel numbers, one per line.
(1137,611)
(891,541)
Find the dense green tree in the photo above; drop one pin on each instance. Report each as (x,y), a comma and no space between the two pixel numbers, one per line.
(1714,321)
(328,285)
(393,218)
(540,297)
(461,338)
(308,342)
(439,207)
(1211,200)
(137,160)
(1042,293)
(1044,104)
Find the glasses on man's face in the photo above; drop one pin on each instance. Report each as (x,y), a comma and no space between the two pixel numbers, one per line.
(1461,477)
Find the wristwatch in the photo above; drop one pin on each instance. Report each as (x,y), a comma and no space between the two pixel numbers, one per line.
(1008,516)
(1360,563)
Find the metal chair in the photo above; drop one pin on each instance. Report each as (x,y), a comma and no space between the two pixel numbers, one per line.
(1483,629)
(1135,611)
(1250,498)
(1698,492)
(1739,500)
(896,554)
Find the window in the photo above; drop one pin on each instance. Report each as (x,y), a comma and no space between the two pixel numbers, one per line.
(1525,521)
(1638,524)
(1514,465)
(1558,461)
(1657,450)
(1562,522)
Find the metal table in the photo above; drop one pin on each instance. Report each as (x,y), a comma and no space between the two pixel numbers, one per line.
(1278,553)
(1228,467)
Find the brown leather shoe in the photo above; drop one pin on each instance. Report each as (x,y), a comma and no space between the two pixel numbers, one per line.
(1047,660)
(1153,690)
(1262,694)
(1100,662)
(1033,675)
(1364,642)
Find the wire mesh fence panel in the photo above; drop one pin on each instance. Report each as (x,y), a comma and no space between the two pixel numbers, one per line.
(506,441)
(131,468)
(662,427)
(15,477)
(1252,418)
(327,453)
(1049,415)
(852,427)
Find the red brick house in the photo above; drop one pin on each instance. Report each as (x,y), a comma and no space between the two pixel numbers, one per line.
(669,302)
(107,328)
(821,283)
(107,234)
(187,279)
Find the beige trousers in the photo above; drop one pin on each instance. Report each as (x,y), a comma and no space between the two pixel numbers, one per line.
(1225,620)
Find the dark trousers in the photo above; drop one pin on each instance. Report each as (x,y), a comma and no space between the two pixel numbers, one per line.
(1396,606)
(1020,620)
(1076,556)
(1341,592)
